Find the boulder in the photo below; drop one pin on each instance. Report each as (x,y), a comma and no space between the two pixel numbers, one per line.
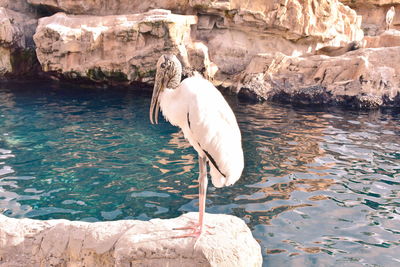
(364,78)
(388,38)
(111,49)
(17,5)
(16,44)
(27,242)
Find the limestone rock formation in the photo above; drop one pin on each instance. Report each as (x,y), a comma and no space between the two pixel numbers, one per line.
(365,78)
(26,242)
(372,2)
(16,43)
(373,14)
(236,31)
(389,38)
(110,7)
(230,32)
(118,49)
(118,42)
(17,5)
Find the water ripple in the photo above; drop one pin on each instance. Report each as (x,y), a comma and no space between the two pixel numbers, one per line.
(319,188)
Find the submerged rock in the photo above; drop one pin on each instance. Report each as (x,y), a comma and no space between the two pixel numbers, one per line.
(26,242)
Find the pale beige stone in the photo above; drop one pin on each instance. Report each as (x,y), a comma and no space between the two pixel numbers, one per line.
(354,3)
(234,31)
(373,14)
(16,43)
(26,242)
(388,38)
(110,7)
(121,48)
(17,5)
(365,78)
(5,61)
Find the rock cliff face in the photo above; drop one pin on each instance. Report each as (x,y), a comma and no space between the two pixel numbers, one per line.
(361,78)
(118,42)
(120,48)
(373,14)
(26,242)
(234,31)
(16,44)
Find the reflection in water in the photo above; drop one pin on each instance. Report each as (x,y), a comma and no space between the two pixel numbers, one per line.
(319,188)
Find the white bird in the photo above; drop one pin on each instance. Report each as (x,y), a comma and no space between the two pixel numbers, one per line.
(207,122)
(389,17)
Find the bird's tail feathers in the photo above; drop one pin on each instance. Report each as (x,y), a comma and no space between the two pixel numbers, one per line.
(219,180)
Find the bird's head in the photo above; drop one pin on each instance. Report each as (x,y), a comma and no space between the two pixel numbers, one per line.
(168,75)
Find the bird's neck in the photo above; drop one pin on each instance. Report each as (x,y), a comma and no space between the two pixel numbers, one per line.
(169,103)
(174,82)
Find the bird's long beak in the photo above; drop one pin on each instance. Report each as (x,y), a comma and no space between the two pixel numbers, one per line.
(155,103)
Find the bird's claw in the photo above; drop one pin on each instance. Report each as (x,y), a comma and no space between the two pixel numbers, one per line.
(197,230)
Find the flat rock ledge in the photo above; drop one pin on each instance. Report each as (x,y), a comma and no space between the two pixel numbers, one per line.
(27,242)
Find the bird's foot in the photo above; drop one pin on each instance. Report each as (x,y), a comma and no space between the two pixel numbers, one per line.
(197,230)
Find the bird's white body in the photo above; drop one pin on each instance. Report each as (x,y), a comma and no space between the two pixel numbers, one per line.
(209,125)
(206,120)
(389,17)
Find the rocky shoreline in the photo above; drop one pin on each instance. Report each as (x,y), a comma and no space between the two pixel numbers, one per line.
(325,52)
(27,242)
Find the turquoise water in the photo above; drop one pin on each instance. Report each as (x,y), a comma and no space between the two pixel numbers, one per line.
(320,187)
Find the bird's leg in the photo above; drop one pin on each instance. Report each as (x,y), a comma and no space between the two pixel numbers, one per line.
(198,227)
(202,191)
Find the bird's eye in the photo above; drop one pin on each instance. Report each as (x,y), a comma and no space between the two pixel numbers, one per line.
(162,65)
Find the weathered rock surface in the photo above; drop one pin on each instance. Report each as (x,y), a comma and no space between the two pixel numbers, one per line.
(119,42)
(26,242)
(365,78)
(373,14)
(16,43)
(17,5)
(326,20)
(388,38)
(236,31)
(231,32)
(355,3)
(110,7)
(117,49)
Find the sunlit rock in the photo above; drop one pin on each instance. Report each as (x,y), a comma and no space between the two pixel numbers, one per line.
(374,2)
(234,31)
(118,49)
(373,14)
(364,78)
(26,242)
(389,38)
